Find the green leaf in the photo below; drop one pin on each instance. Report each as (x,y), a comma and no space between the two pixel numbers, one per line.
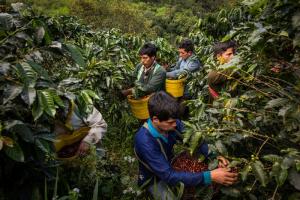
(87,99)
(212,110)
(245,172)
(221,147)
(256,36)
(294,178)
(231,191)
(95,193)
(252,67)
(234,163)
(48,103)
(15,152)
(10,92)
(29,73)
(259,172)
(37,109)
(181,190)
(24,132)
(42,145)
(56,98)
(45,136)
(29,95)
(282,177)
(272,158)
(283,111)
(284,33)
(76,55)
(297,165)
(92,94)
(195,141)
(39,69)
(287,163)
(276,102)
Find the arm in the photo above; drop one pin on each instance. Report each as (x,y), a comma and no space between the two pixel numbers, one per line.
(152,155)
(175,70)
(193,64)
(175,73)
(98,127)
(129,91)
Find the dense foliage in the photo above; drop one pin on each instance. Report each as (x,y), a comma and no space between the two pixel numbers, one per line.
(152,18)
(255,124)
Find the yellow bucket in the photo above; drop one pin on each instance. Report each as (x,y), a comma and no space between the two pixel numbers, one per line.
(65,140)
(175,87)
(139,107)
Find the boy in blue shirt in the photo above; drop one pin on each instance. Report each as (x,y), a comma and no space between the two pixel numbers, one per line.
(153,146)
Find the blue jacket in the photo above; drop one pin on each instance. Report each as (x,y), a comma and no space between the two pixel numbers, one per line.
(191,64)
(148,150)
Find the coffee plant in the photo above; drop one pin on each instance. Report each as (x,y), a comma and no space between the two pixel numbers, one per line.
(255,123)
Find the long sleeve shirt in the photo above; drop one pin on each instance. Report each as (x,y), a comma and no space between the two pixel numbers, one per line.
(148,150)
(94,121)
(191,64)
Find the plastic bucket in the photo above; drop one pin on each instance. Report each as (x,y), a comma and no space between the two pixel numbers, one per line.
(64,140)
(175,87)
(139,107)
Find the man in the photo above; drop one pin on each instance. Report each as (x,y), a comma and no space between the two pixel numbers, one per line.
(224,52)
(187,63)
(71,119)
(153,146)
(150,76)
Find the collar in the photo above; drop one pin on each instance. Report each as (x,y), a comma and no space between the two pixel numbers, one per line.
(154,132)
(150,68)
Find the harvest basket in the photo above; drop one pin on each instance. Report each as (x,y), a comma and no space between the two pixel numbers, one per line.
(139,107)
(185,162)
(175,87)
(66,145)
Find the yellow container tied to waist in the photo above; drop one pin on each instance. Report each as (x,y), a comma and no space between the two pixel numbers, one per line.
(139,107)
(175,87)
(66,145)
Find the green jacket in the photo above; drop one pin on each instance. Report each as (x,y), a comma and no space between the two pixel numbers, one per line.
(151,82)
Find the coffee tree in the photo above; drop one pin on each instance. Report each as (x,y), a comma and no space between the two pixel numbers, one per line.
(255,123)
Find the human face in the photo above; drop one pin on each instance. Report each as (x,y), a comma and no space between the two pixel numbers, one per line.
(226,56)
(164,126)
(184,54)
(147,61)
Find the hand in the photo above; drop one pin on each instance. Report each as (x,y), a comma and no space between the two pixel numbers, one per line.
(127,92)
(83,148)
(223,162)
(182,74)
(223,176)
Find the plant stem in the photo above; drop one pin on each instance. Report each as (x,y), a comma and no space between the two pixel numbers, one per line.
(253,185)
(273,197)
(262,146)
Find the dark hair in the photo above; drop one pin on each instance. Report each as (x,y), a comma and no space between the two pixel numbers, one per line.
(223,46)
(187,45)
(163,106)
(148,49)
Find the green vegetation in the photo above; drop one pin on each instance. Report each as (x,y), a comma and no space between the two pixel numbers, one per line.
(167,19)
(42,59)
